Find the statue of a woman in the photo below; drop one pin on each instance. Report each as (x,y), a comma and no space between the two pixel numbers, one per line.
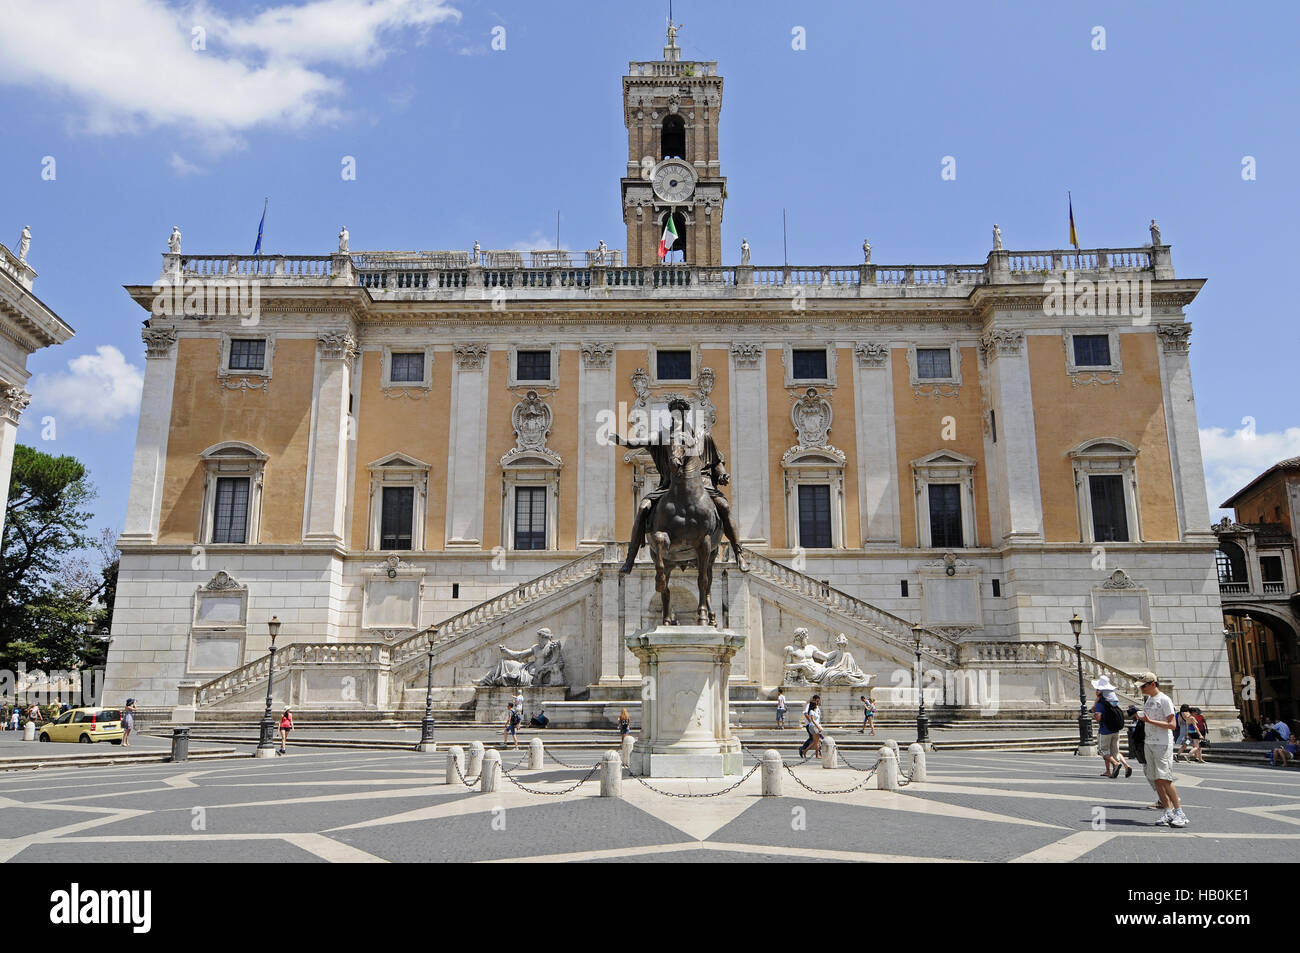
(840,669)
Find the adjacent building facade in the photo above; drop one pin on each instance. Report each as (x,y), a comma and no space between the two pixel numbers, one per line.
(1257,565)
(368,444)
(27,324)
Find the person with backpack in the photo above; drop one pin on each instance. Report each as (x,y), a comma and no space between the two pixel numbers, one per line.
(1110,722)
(512,726)
(812,722)
(624,722)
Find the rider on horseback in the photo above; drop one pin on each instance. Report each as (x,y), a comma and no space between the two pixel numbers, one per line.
(658,445)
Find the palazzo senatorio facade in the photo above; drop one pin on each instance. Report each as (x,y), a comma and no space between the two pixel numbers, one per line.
(367,444)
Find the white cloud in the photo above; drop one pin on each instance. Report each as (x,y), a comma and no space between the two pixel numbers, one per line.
(97,390)
(129,64)
(1234,459)
(182,167)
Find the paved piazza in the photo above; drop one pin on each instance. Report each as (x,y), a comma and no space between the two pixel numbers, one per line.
(364,806)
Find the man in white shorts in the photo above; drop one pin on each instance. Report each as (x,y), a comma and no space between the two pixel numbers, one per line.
(1160,716)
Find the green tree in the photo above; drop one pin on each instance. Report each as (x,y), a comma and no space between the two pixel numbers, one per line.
(47,617)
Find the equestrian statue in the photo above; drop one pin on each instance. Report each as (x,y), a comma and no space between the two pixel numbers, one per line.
(685,517)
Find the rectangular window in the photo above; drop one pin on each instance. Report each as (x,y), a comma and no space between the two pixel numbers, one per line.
(810,364)
(530,517)
(533,365)
(247,354)
(997,588)
(230,517)
(1270,567)
(945,515)
(396,517)
(407,368)
(933,363)
(673,365)
(815,516)
(1091,350)
(1109,515)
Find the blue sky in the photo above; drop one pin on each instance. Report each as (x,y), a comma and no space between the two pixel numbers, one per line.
(456,142)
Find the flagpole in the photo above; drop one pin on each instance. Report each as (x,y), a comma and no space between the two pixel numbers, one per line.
(785,248)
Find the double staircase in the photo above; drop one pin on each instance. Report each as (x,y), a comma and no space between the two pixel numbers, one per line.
(387,670)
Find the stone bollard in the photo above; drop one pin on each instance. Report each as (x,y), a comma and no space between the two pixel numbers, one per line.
(917,754)
(535,754)
(611,775)
(29,731)
(475,767)
(887,769)
(455,759)
(893,746)
(772,772)
(829,758)
(628,742)
(487,782)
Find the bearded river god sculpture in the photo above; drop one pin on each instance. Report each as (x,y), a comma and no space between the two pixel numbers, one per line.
(541,665)
(806,664)
(683,520)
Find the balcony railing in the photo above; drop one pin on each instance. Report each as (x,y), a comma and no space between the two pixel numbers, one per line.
(1244,589)
(453,275)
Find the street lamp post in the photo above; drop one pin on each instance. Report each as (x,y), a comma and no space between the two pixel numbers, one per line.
(1086,744)
(426,726)
(266,747)
(922,721)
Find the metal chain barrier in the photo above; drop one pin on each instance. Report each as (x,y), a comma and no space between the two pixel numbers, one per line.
(726,790)
(808,787)
(471,782)
(550,754)
(523,787)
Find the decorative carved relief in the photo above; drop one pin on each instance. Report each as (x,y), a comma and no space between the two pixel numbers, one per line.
(705,413)
(872,354)
(1175,338)
(469,357)
(597,355)
(747,354)
(641,387)
(13,401)
(221,582)
(158,342)
(1119,579)
(531,419)
(812,419)
(336,346)
(1002,341)
(244,384)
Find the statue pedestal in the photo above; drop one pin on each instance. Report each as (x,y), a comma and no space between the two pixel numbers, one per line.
(490,703)
(684,730)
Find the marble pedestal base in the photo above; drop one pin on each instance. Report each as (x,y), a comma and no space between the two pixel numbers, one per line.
(684,728)
(490,703)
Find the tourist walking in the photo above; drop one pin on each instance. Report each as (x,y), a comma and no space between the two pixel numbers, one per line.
(868,714)
(812,722)
(286,726)
(13,719)
(780,709)
(1160,719)
(1110,722)
(128,721)
(519,704)
(624,722)
(510,733)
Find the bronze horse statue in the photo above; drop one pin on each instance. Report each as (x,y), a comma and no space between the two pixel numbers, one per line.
(685,528)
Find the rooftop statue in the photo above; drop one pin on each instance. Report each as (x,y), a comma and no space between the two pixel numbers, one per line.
(24,243)
(174,241)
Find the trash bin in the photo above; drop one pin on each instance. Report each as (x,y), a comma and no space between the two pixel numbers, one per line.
(180,744)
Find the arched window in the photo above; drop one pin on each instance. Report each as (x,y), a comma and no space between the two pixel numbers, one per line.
(673,137)
(1231,562)
(679,226)
(232,493)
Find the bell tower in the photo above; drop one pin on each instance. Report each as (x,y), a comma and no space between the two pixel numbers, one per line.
(671,108)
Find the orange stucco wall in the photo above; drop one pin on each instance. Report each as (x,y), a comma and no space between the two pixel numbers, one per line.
(920,428)
(416,427)
(1132,409)
(276,421)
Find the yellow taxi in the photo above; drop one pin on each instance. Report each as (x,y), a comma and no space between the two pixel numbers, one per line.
(84,725)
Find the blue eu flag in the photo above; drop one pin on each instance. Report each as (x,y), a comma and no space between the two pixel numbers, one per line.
(257,249)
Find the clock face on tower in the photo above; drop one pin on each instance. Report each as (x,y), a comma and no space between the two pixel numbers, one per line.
(673,181)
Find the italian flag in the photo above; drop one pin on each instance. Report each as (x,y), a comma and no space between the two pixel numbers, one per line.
(668,239)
